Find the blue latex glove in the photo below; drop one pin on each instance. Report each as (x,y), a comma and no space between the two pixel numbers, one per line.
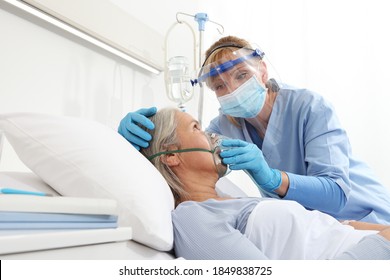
(130,129)
(241,155)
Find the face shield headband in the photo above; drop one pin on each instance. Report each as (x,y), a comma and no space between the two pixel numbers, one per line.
(225,66)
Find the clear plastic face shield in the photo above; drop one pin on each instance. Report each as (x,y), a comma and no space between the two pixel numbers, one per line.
(227,68)
(215,142)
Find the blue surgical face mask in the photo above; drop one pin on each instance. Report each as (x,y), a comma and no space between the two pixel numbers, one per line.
(246,101)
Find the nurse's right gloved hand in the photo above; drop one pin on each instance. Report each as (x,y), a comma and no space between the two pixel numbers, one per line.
(129,127)
(241,155)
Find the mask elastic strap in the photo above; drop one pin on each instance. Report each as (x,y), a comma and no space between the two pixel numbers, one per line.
(180,151)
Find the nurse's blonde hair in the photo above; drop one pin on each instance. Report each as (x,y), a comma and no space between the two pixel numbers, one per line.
(164,136)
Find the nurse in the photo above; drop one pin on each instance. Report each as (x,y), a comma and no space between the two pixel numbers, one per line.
(288,140)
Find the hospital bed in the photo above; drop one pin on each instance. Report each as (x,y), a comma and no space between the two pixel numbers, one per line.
(65,160)
(78,157)
(73,170)
(72,246)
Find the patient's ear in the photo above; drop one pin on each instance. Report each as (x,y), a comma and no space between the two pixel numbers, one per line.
(171,159)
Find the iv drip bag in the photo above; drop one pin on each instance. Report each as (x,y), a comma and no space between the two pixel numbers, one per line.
(177,80)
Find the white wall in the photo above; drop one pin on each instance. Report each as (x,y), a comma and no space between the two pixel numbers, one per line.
(44,69)
(337,48)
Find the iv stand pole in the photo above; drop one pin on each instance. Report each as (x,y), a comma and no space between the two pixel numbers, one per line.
(201,18)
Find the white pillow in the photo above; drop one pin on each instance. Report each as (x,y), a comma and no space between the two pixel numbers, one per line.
(82,158)
(28,181)
(226,188)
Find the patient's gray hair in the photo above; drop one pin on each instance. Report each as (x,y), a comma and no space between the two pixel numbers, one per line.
(164,136)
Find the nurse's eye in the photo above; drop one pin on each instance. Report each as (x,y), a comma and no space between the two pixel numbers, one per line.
(218,87)
(241,76)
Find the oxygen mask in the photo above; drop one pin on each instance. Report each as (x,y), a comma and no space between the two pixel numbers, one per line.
(215,141)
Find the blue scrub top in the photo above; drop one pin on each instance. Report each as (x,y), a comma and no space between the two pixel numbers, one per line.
(304,137)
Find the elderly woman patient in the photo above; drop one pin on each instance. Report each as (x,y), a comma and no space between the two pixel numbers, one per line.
(207,226)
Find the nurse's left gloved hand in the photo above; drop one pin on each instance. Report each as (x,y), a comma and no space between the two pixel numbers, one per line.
(241,155)
(130,127)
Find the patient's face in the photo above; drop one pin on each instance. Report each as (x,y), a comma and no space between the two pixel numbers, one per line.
(191,135)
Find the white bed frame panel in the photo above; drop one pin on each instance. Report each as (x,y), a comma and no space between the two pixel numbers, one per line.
(125,250)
